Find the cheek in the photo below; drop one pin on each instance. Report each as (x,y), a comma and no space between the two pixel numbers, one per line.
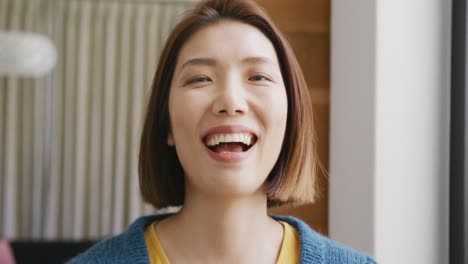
(273,112)
(280,116)
(278,119)
(178,118)
(283,109)
(278,112)
(185,110)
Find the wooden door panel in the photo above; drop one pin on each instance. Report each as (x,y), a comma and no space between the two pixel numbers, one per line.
(306,24)
(299,15)
(313,53)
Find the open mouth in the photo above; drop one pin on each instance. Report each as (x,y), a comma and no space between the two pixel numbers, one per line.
(235,142)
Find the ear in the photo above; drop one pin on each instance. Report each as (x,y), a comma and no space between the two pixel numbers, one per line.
(170,140)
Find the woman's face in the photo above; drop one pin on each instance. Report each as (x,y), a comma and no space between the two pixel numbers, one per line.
(228,109)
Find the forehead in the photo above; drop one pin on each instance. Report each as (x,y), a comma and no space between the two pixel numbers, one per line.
(227,41)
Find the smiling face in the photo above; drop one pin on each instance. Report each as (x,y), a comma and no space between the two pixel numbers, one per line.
(228,109)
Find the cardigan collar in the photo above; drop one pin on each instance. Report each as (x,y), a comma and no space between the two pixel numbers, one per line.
(312,245)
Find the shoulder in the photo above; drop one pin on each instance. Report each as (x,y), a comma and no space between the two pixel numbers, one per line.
(338,253)
(316,248)
(128,247)
(110,250)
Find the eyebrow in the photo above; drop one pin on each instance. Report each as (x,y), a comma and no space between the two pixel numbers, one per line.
(257,60)
(212,62)
(199,61)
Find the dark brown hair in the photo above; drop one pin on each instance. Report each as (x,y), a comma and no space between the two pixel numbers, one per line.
(293,177)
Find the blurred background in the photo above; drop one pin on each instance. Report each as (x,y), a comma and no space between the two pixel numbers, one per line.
(70,137)
(386,79)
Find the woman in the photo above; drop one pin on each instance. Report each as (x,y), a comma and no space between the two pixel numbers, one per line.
(228,133)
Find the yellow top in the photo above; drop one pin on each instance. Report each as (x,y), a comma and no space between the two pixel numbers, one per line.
(290,247)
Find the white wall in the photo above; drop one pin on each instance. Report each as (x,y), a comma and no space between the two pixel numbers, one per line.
(390,128)
(352,123)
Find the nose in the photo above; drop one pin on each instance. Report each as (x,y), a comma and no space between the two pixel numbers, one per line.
(230,100)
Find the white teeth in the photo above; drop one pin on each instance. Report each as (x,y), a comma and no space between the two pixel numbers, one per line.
(245,138)
(211,142)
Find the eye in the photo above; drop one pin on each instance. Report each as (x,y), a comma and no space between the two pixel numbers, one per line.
(198,79)
(259,78)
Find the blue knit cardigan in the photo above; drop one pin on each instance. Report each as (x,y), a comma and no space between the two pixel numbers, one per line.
(130,246)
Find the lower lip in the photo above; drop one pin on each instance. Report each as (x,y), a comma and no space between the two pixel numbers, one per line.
(230,157)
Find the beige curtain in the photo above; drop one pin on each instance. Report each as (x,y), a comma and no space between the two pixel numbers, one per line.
(69,141)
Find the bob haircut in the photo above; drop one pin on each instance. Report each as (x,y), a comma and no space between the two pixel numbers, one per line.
(293,177)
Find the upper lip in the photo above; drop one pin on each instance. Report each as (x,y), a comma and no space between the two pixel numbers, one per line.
(227,129)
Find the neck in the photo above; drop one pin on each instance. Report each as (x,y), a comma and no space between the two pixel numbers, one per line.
(225,228)
(227,213)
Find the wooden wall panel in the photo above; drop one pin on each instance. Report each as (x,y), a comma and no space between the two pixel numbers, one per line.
(306,24)
(312,51)
(299,15)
